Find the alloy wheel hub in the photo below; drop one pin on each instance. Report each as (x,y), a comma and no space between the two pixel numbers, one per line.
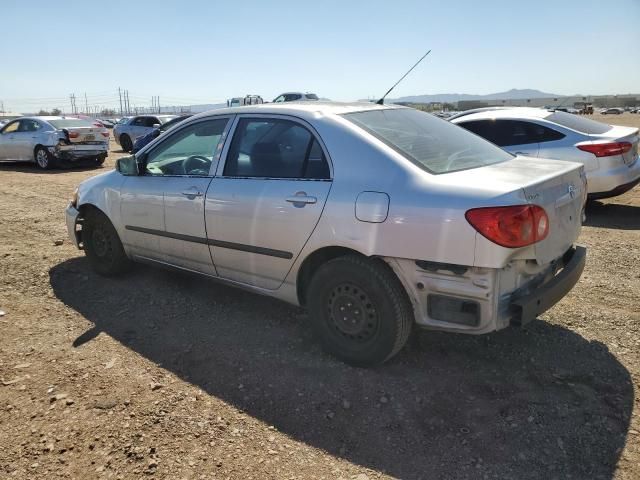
(351,312)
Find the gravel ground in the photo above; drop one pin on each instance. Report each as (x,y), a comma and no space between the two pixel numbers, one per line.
(166,375)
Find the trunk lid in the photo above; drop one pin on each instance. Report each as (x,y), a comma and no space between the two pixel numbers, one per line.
(89,134)
(562,195)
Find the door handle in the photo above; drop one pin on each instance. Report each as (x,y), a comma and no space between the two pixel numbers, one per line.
(192,193)
(304,199)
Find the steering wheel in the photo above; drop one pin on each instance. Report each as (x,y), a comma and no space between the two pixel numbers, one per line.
(197,165)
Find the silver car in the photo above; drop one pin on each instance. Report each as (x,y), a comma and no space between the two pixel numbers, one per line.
(128,129)
(49,140)
(376,218)
(609,153)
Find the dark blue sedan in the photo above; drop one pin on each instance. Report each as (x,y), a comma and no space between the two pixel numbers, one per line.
(156,132)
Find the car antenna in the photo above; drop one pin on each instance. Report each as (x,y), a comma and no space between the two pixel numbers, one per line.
(381,101)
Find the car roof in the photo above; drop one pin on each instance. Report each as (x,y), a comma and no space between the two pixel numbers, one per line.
(301,109)
(508,112)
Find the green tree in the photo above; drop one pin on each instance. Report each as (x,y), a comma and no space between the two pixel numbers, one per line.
(56,112)
(43,112)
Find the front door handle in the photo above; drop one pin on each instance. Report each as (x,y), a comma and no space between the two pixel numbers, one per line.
(192,192)
(301,199)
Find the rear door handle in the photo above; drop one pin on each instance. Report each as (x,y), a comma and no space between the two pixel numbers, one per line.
(301,199)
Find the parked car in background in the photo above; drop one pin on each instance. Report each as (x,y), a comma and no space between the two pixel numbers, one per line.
(50,140)
(156,132)
(295,97)
(609,153)
(107,123)
(612,111)
(377,218)
(127,130)
(246,100)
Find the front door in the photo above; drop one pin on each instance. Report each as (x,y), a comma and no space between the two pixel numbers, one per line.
(7,141)
(264,206)
(178,171)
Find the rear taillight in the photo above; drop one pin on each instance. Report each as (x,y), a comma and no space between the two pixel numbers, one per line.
(74,134)
(512,227)
(105,134)
(606,149)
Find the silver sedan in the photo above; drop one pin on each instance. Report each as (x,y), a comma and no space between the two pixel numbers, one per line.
(376,218)
(609,153)
(50,140)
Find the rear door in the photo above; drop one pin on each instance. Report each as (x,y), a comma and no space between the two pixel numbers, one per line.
(266,200)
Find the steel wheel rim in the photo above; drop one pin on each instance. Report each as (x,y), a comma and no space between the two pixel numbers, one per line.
(101,240)
(351,313)
(41,158)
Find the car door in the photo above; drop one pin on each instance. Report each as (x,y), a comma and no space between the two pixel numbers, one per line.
(7,137)
(137,128)
(266,200)
(163,210)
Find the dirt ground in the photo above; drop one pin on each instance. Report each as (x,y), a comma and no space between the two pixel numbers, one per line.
(164,375)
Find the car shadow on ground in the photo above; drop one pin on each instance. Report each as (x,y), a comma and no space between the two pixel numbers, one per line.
(613,215)
(30,167)
(521,404)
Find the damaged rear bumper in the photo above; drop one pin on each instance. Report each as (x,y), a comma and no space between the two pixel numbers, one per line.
(528,307)
(78,152)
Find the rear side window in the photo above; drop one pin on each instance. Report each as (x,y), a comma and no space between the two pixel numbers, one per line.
(433,144)
(578,123)
(506,133)
(276,149)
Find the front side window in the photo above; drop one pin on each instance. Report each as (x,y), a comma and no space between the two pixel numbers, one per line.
(275,148)
(11,127)
(433,144)
(189,151)
(292,97)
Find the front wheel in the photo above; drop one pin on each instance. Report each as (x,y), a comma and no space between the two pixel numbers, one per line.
(100,159)
(102,245)
(44,159)
(126,143)
(359,310)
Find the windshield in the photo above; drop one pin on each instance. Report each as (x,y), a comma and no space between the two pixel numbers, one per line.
(70,123)
(580,124)
(431,143)
(174,121)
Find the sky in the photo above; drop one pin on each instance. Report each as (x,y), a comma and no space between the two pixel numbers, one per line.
(198,51)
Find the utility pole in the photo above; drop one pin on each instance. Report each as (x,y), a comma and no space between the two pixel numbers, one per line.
(158,102)
(1,106)
(120,97)
(86,104)
(128,102)
(72,97)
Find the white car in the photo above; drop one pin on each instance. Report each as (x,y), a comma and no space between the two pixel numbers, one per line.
(295,97)
(49,140)
(129,129)
(377,218)
(609,153)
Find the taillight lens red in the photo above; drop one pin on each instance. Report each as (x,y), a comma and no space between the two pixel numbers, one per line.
(74,134)
(105,134)
(606,149)
(513,226)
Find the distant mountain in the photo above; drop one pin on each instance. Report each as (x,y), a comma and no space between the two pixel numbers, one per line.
(513,94)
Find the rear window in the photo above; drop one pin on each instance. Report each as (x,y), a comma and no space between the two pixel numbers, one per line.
(431,143)
(165,119)
(578,123)
(70,123)
(311,96)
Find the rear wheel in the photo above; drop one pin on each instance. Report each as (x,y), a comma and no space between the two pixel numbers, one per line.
(126,143)
(44,159)
(359,310)
(100,159)
(102,245)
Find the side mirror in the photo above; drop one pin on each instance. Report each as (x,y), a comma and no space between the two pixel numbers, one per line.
(130,165)
(156,133)
(156,125)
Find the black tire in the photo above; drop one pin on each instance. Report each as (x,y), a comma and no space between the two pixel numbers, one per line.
(377,313)
(102,245)
(126,143)
(43,158)
(100,159)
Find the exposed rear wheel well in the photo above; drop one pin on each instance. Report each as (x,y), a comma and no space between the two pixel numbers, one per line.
(312,263)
